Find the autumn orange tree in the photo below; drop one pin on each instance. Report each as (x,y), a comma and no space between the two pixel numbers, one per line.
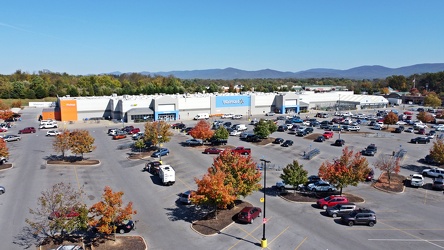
(202,131)
(81,142)
(5,112)
(388,164)
(110,211)
(157,132)
(391,118)
(4,151)
(425,116)
(437,151)
(230,177)
(349,169)
(212,190)
(61,142)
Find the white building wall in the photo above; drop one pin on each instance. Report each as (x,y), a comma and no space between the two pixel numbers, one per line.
(264,100)
(135,102)
(195,102)
(92,104)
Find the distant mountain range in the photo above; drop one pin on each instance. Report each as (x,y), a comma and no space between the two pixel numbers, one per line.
(363,72)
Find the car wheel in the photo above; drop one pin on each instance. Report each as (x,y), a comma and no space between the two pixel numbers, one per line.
(208,153)
(350,223)
(324,207)
(260,214)
(167,153)
(2,192)
(371,224)
(122,231)
(251,221)
(334,215)
(416,142)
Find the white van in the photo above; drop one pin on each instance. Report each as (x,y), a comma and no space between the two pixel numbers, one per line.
(202,116)
(167,175)
(241,127)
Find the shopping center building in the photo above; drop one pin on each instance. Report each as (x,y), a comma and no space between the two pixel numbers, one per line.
(136,108)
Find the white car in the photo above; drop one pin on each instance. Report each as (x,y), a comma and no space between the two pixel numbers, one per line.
(439,128)
(409,130)
(289,126)
(306,123)
(416,180)
(401,123)
(353,128)
(52,133)
(235,133)
(236,117)
(227,115)
(377,127)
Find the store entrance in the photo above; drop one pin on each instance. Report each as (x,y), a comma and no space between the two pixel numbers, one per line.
(167,117)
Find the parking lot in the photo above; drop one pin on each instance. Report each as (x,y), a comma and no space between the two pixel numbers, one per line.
(410,220)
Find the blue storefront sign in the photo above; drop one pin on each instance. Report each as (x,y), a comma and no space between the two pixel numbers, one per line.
(233,101)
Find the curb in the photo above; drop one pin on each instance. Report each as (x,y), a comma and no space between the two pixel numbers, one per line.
(210,234)
(387,191)
(12,165)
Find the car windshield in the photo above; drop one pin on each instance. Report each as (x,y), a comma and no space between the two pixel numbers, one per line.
(327,198)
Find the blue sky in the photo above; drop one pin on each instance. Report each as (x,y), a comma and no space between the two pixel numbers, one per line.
(92,37)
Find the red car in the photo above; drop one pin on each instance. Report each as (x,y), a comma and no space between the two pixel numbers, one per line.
(27,130)
(134,131)
(248,214)
(331,201)
(212,151)
(328,134)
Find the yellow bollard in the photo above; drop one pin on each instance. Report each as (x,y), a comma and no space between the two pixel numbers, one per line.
(264,243)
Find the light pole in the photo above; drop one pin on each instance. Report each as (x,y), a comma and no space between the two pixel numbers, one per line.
(264,240)
(158,139)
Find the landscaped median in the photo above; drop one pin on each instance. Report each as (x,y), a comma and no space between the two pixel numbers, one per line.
(110,243)
(5,166)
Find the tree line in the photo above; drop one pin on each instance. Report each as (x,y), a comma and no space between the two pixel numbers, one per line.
(21,85)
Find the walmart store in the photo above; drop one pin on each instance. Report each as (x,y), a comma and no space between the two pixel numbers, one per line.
(139,108)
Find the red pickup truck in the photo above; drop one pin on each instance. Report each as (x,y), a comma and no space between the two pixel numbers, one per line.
(242,150)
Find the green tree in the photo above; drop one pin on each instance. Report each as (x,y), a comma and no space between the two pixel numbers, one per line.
(433,100)
(264,128)
(294,174)
(221,133)
(349,169)
(139,144)
(51,216)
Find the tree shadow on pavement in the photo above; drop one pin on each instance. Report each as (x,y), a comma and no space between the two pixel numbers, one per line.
(188,213)
(27,238)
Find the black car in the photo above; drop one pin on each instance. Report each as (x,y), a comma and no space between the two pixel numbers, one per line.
(397,130)
(301,133)
(339,142)
(227,124)
(314,123)
(282,128)
(278,141)
(215,141)
(320,139)
(309,130)
(420,140)
(178,126)
(186,130)
(253,138)
(287,143)
(359,216)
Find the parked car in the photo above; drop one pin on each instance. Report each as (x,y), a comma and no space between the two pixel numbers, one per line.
(331,201)
(340,209)
(125,227)
(321,186)
(409,130)
(153,167)
(416,180)
(52,133)
(235,133)
(212,151)
(287,143)
(10,138)
(327,134)
(339,142)
(370,150)
(354,128)
(69,247)
(438,184)
(301,132)
(194,142)
(420,140)
(309,130)
(27,130)
(236,117)
(278,141)
(320,139)
(119,136)
(433,172)
(359,216)
(185,197)
(248,214)
(160,152)
(178,126)
(138,136)
(134,131)
(270,114)
(282,128)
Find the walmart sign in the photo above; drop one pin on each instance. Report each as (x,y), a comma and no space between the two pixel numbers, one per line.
(233,101)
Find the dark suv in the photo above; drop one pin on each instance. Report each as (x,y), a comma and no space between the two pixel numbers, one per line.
(360,216)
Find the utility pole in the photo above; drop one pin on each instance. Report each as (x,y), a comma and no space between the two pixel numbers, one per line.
(264,240)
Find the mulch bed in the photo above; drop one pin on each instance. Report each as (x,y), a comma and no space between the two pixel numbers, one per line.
(121,243)
(5,166)
(396,183)
(211,225)
(77,163)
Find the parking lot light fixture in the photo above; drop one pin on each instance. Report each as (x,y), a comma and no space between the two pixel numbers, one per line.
(264,240)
